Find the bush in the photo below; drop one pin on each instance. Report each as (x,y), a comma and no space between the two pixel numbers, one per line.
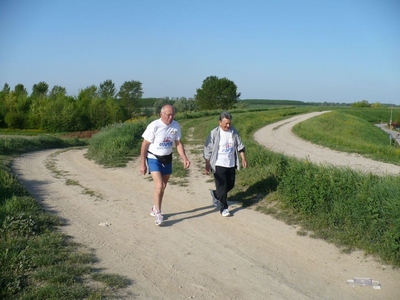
(344,206)
(15,120)
(114,145)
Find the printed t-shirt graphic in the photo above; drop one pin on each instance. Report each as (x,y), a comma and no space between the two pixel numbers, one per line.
(161,137)
(226,157)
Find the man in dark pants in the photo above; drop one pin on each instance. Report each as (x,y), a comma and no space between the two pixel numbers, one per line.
(221,153)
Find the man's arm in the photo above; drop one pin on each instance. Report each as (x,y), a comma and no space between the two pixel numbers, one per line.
(244,161)
(143,156)
(207,151)
(182,153)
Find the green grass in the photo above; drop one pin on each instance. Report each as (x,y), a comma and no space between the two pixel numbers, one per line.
(351,209)
(116,144)
(12,145)
(21,132)
(376,115)
(37,261)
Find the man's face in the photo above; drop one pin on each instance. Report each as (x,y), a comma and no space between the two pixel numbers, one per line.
(225,124)
(168,115)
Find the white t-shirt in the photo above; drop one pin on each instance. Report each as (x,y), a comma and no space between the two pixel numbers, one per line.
(226,151)
(161,137)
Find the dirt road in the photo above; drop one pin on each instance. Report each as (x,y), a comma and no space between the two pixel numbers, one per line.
(279,137)
(197,254)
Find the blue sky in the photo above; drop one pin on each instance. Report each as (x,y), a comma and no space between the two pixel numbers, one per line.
(336,51)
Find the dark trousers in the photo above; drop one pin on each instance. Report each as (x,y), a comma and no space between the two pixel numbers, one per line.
(224,181)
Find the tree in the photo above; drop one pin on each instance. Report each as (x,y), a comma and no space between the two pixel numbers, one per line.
(98,113)
(107,90)
(40,89)
(160,103)
(16,106)
(37,111)
(56,112)
(19,89)
(85,98)
(184,105)
(376,105)
(71,119)
(17,100)
(57,91)
(129,94)
(114,110)
(217,93)
(6,88)
(363,103)
(59,115)
(15,119)
(4,92)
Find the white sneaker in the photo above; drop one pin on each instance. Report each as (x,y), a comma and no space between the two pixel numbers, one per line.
(225,213)
(158,219)
(153,211)
(214,200)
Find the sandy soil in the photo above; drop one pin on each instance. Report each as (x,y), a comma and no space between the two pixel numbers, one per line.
(196,254)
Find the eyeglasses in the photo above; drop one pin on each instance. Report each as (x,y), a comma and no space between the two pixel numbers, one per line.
(168,115)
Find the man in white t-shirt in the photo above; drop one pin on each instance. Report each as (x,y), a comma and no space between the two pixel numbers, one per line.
(158,140)
(221,153)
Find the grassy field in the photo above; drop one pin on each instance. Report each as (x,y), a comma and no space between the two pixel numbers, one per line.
(344,131)
(350,209)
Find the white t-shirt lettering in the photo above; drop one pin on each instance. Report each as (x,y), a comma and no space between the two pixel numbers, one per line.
(161,137)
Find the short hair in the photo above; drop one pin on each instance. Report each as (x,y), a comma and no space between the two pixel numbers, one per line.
(225,115)
(173,108)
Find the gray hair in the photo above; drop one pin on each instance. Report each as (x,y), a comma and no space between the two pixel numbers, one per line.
(225,115)
(173,108)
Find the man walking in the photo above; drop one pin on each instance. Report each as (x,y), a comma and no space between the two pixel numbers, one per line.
(221,153)
(156,151)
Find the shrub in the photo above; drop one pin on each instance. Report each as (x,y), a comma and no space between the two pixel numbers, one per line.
(15,120)
(114,145)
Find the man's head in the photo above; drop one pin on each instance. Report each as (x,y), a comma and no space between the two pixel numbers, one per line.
(225,120)
(167,114)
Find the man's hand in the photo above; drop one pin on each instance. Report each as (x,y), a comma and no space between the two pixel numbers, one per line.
(207,167)
(244,163)
(186,163)
(143,155)
(143,169)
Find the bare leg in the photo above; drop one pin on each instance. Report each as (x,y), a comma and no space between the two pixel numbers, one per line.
(160,183)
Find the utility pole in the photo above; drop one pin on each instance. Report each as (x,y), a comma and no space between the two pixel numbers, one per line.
(390,123)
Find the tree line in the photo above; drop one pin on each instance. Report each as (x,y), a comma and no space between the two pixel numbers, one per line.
(97,106)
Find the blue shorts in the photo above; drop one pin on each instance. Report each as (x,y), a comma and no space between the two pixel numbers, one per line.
(156,166)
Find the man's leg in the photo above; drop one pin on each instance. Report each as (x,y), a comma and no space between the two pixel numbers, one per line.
(221,186)
(230,177)
(160,183)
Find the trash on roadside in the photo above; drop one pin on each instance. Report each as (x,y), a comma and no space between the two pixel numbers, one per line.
(364,282)
(105,224)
